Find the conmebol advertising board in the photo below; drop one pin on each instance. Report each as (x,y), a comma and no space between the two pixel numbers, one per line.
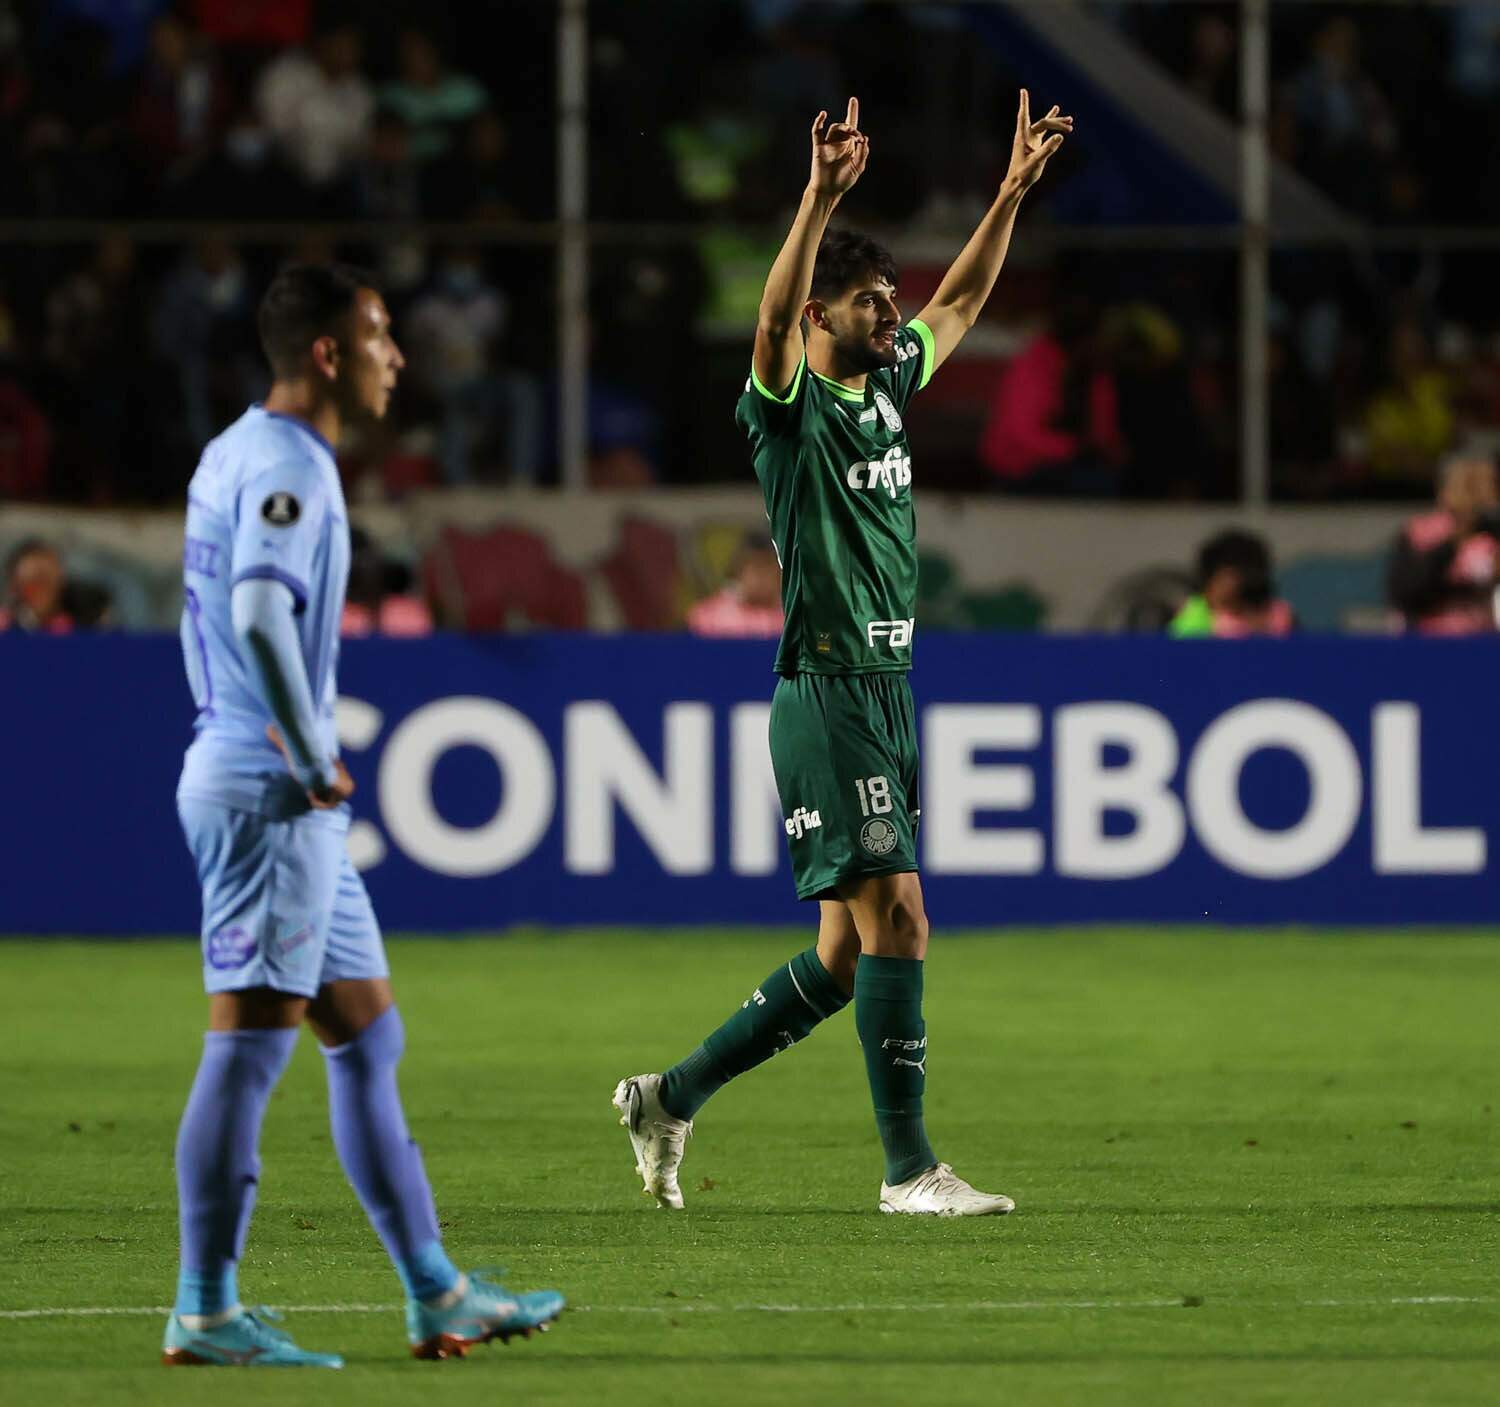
(557,779)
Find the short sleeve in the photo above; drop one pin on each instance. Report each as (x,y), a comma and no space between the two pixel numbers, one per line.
(763,411)
(913,369)
(279,524)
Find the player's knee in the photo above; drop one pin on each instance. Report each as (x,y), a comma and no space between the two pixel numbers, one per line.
(904,927)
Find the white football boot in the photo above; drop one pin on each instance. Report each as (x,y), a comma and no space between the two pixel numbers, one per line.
(941,1192)
(657,1138)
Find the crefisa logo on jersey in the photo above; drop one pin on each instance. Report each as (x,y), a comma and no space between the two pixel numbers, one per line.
(892,472)
(802,820)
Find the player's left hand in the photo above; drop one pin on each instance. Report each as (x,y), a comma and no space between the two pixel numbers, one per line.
(1036,142)
(342,787)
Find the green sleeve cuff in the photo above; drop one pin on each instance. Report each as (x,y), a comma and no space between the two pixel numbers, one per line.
(925,333)
(791,394)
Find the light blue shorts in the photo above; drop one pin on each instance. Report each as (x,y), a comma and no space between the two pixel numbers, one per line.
(282,905)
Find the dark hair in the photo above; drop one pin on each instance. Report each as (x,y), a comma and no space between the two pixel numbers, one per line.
(844,259)
(303,303)
(1247,554)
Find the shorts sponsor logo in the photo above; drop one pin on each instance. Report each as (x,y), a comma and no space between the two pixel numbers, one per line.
(896,633)
(890,415)
(802,820)
(293,941)
(878,836)
(230,947)
(281,510)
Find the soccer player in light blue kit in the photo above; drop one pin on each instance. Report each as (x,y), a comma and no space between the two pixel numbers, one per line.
(288,931)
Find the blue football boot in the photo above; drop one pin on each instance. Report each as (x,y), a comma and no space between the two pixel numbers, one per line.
(247,1341)
(475,1311)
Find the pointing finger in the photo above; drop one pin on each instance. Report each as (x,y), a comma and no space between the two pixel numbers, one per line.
(817,126)
(1024,121)
(852,116)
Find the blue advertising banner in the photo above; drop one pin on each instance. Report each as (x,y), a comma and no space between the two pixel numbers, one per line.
(626,779)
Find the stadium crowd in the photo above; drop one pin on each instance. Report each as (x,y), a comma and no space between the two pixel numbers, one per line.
(180,128)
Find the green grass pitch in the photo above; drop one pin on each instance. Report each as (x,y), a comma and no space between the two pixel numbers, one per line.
(1250,1168)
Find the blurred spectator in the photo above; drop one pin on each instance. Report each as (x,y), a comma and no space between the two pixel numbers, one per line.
(123,25)
(749,606)
(180,104)
(25,442)
(434,102)
(1475,64)
(202,328)
(379,600)
(34,587)
(319,106)
(263,24)
(93,368)
(1054,422)
(1446,563)
(451,334)
(1212,70)
(1236,592)
(473,180)
(387,181)
(1409,422)
(1347,127)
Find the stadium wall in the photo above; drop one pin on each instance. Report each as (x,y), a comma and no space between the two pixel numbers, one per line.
(625,779)
(1083,559)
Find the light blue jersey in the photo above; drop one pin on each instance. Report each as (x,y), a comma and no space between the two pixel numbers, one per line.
(264,503)
(282,905)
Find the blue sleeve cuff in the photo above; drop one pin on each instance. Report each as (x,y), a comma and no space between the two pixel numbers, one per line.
(269,573)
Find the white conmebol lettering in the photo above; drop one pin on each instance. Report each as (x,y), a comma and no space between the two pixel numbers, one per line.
(1333,771)
(1402,844)
(605,767)
(358,724)
(527,793)
(892,472)
(803,820)
(1084,790)
(755,845)
(896,633)
(956,788)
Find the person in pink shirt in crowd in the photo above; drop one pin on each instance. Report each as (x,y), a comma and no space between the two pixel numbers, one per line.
(1446,563)
(1054,423)
(749,607)
(34,588)
(1236,595)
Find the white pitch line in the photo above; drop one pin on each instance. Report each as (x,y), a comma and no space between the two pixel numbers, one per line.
(965,1307)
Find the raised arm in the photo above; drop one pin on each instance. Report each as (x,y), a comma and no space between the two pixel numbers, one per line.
(839,153)
(967,284)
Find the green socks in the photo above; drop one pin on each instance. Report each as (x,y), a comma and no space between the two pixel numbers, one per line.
(783,1009)
(888,1016)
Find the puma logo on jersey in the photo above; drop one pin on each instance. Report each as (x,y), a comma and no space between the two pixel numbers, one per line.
(892,472)
(896,633)
(802,820)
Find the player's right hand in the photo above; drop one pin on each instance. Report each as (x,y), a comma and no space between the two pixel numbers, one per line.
(321,798)
(839,152)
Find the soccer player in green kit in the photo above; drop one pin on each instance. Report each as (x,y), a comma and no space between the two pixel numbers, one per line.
(823,413)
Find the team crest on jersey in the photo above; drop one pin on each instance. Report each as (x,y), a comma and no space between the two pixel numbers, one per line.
(888,412)
(878,836)
(281,510)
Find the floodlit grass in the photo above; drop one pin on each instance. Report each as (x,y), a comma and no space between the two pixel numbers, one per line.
(1238,1159)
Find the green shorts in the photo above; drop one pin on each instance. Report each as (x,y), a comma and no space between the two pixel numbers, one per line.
(844,749)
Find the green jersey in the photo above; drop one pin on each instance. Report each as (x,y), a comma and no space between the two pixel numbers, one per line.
(835,470)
